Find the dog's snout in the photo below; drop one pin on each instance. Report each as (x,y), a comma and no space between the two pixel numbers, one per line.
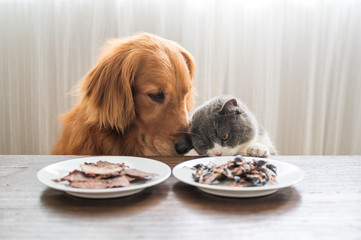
(184,145)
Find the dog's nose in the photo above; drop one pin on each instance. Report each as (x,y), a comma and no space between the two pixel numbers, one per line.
(184,145)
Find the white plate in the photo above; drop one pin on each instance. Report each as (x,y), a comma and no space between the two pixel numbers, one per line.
(60,169)
(287,175)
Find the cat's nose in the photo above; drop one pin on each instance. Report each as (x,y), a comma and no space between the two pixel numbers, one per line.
(218,154)
(184,145)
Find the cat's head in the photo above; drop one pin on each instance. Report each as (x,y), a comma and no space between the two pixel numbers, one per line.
(221,125)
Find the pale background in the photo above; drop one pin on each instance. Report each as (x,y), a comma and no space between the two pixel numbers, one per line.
(295,63)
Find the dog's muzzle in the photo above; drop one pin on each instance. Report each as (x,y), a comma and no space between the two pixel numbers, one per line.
(184,145)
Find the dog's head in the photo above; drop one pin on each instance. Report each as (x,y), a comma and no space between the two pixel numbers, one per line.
(143,85)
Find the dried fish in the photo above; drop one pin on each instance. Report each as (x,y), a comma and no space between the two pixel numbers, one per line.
(236,172)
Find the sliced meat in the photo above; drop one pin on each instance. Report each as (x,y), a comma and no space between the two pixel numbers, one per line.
(102,175)
(130,179)
(75,175)
(101,183)
(103,169)
(132,172)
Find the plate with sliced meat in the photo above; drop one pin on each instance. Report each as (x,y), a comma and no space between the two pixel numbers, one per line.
(104,176)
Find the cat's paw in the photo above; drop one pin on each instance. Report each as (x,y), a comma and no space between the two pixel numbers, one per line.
(258,150)
(191,153)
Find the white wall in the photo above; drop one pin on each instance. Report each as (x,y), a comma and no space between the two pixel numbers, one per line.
(296,63)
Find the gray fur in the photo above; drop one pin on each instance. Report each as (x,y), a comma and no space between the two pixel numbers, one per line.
(221,115)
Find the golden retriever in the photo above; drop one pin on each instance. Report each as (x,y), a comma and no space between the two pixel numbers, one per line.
(135,101)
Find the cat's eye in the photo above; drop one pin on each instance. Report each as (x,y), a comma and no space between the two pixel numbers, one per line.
(157,97)
(225,137)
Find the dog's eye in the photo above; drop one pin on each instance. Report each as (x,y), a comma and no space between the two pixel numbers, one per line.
(157,97)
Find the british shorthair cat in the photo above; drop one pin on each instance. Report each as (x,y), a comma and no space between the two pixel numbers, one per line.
(224,126)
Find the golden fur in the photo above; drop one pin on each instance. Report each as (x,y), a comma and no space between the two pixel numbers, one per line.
(116,115)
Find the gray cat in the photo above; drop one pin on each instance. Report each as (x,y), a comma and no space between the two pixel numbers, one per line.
(225,126)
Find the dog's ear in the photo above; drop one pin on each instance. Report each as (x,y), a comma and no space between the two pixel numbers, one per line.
(190,65)
(108,87)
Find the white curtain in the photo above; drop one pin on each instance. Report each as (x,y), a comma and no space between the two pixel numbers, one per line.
(295,63)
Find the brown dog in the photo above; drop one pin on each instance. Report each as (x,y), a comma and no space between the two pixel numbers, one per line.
(135,101)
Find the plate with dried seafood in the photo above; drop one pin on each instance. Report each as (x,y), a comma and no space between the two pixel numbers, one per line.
(238,176)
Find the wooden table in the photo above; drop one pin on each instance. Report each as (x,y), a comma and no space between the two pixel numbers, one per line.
(325,205)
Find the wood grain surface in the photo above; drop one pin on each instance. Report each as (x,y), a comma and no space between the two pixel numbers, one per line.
(326,204)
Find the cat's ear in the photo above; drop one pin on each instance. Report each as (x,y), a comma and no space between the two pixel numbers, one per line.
(231,106)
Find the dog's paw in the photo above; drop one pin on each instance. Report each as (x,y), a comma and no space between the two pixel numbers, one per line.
(258,150)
